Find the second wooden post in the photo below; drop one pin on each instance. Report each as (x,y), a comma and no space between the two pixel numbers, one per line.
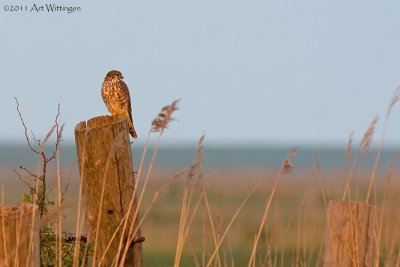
(351,236)
(19,235)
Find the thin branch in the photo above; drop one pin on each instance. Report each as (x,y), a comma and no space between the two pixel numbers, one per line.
(25,128)
(37,140)
(29,172)
(68,181)
(58,134)
(22,179)
(42,147)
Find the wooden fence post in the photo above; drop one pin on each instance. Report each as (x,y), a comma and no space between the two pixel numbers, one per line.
(106,170)
(351,236)
(19,235)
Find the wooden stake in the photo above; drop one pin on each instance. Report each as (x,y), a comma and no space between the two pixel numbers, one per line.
(19,235)
(106,170)
(351,237)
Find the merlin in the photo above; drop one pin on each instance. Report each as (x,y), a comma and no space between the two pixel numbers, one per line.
(116,96)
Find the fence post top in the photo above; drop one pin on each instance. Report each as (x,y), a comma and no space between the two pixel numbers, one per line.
(100,121)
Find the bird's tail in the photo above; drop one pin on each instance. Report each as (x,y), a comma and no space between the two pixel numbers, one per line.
(132,132)
(131,127)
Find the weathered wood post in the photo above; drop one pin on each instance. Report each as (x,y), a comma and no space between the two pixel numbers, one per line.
(351,236)
(19,235)
(106,170)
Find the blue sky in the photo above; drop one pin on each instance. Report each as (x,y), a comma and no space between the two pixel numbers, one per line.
(248,72)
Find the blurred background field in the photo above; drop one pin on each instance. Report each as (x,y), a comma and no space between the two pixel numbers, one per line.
(258,77)
(295,226)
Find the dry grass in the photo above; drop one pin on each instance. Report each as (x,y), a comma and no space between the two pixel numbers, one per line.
(294,228)
(245,217)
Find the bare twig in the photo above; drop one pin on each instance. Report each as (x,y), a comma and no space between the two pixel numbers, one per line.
(68,181)
(25,128)
(22,179)
(29,172)
(39,193)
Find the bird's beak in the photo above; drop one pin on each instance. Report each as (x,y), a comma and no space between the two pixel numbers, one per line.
(122,77)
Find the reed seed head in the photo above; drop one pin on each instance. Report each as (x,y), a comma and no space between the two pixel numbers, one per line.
(164,117)
(369,134)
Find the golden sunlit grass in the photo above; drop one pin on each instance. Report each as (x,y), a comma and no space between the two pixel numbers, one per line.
(294,228)
(246,217)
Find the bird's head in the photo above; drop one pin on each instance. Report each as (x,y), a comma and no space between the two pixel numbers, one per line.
(113,75)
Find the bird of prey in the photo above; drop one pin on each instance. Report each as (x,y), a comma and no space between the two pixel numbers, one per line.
(116,96)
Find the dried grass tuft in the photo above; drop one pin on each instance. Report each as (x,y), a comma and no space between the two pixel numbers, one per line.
(286,167)
(368,135)
(395,99)
(160,123)
(349,149)
(189,206)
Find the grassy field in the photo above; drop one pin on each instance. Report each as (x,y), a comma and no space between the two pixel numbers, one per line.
(294,230)
(293,234)
(236,216)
